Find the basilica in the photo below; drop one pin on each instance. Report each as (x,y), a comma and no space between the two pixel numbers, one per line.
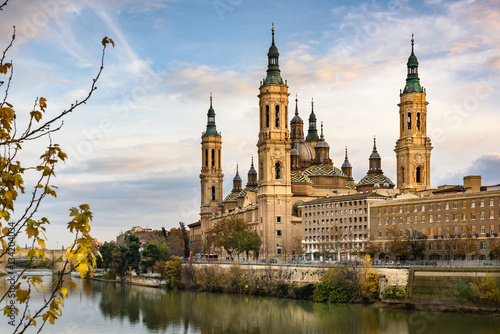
(293,166)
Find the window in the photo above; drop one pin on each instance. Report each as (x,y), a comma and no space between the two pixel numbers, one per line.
(430,219)
(473,204)
(492,214)
(430,207)
(278,219)
(455,217)
(267,116)
(414,208)
(455,205)
(464,216)
(483,230)
(277,169)
(438,206)
(438,218)
(491,202)
(409,121)
(213,158)
(482,215)
(213,193)
(482,203)
(473,215)
(278,251)
(277,116)
(447,206)
(418,123)
(206,158)
(423,219)
(418,175)
(464,205)
(446,218)
(422,208)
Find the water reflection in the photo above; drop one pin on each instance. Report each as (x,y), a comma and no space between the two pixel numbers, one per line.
(100,307)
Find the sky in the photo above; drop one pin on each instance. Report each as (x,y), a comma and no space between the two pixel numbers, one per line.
(134,149)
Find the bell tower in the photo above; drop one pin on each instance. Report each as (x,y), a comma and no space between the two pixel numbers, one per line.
(274,145)
(211,172)
(413,148)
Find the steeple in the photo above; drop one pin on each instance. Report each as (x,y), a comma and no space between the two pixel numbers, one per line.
(236,182)
(312,133)
(375,160)
(346,167)
(211,128)
(297,124)
(273,68)
(252,176)
(412,79)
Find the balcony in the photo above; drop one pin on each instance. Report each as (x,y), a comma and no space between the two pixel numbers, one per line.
(491,235)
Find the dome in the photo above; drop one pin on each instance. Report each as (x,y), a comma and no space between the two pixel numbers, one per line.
(324,170)
(351,185)
(306,153)
(374,155)
(346,164)
(296,205)
(296,119)
(376,179)
(299,177)
(232,197)
(252,170)
(322,144)
(237,177)
(294,152)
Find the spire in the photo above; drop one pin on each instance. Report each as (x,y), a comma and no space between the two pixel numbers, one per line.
(312,133)
(412,79)
(252,176)
(273,69)
(296,118)
(211,128)
(296,105)
(375,160)
(322,138)
(346,163)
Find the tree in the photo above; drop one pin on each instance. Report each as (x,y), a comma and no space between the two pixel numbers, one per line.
(175,241)
(151,255)
(132,255)
(414,244)
(105,250)
(371,248)
(397,244)
(13,171)
(222,234)
(297,246)
(248,241)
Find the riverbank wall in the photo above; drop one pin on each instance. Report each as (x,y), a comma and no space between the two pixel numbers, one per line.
(417,287)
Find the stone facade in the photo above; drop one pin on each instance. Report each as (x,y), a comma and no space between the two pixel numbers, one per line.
(439,218)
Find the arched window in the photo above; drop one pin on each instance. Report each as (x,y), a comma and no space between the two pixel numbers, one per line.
(267,116)
(293,132)
(206,158)
(219,159)
(213,193)
(286,117)
(403,174)
(418,175)
(418,121)
(409,121)
(277,116)
(213,158)
(277,171)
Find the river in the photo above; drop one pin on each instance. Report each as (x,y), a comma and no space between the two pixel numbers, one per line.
(98,307)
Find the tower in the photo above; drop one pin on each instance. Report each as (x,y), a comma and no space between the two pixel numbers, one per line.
(375,162)
(322,151)
(274,189)
(347,167)
(252,177)
(236,182)
(297,125)
(413,148)
(211,172)
(312,133)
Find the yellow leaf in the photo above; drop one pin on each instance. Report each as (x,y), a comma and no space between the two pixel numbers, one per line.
(5,231)
(64,292)
(83,269)
(72,285)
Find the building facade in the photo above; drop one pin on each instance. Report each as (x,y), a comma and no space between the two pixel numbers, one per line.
(445,221)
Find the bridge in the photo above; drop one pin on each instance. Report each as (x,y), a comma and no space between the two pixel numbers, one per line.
(57,257)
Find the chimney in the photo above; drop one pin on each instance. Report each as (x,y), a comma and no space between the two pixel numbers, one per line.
(472,183)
